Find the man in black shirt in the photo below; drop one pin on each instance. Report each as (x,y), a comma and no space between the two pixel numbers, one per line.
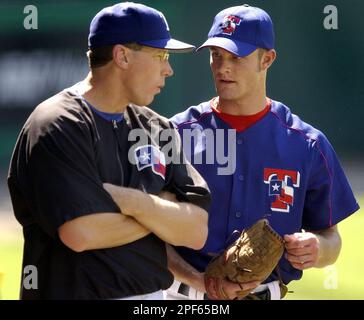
(96,206)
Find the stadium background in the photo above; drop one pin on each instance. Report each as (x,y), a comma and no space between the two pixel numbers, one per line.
(318,73)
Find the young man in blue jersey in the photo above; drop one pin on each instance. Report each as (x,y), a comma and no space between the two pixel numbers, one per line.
(284,170)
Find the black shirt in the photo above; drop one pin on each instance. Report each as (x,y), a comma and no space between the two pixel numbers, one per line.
(64,153)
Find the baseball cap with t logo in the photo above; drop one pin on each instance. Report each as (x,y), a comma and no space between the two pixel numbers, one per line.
(241,30)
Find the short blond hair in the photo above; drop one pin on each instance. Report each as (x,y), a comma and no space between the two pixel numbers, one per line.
(101,56)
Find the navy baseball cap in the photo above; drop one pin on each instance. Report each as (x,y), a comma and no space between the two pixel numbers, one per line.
(241,30)
(129,22)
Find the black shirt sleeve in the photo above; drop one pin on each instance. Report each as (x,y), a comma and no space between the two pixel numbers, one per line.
(186,182)
(55,170)
(182,178)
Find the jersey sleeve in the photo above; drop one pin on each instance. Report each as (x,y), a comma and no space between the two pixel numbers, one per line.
(329,197)
(186,182)
(57,173)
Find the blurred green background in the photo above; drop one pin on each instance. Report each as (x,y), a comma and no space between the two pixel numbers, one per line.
(318,74)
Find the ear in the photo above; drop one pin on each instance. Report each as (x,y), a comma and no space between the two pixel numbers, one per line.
(268,59)
(121,56)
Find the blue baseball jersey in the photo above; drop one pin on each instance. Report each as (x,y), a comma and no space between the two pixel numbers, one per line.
(284,170)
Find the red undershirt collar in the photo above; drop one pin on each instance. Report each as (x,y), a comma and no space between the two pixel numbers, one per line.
(240,123)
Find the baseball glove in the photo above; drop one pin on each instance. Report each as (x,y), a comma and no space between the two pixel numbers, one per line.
(252,257)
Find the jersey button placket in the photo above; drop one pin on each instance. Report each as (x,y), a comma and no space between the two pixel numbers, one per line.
(240,176)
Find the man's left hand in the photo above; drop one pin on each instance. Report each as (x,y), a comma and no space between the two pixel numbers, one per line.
(302,249)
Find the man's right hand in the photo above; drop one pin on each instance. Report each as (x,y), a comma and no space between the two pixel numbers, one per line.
(229,290)
(166,195)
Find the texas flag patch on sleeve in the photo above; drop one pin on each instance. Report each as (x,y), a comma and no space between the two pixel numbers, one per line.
(150,156)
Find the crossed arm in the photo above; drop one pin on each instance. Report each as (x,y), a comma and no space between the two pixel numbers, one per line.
(142,214)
